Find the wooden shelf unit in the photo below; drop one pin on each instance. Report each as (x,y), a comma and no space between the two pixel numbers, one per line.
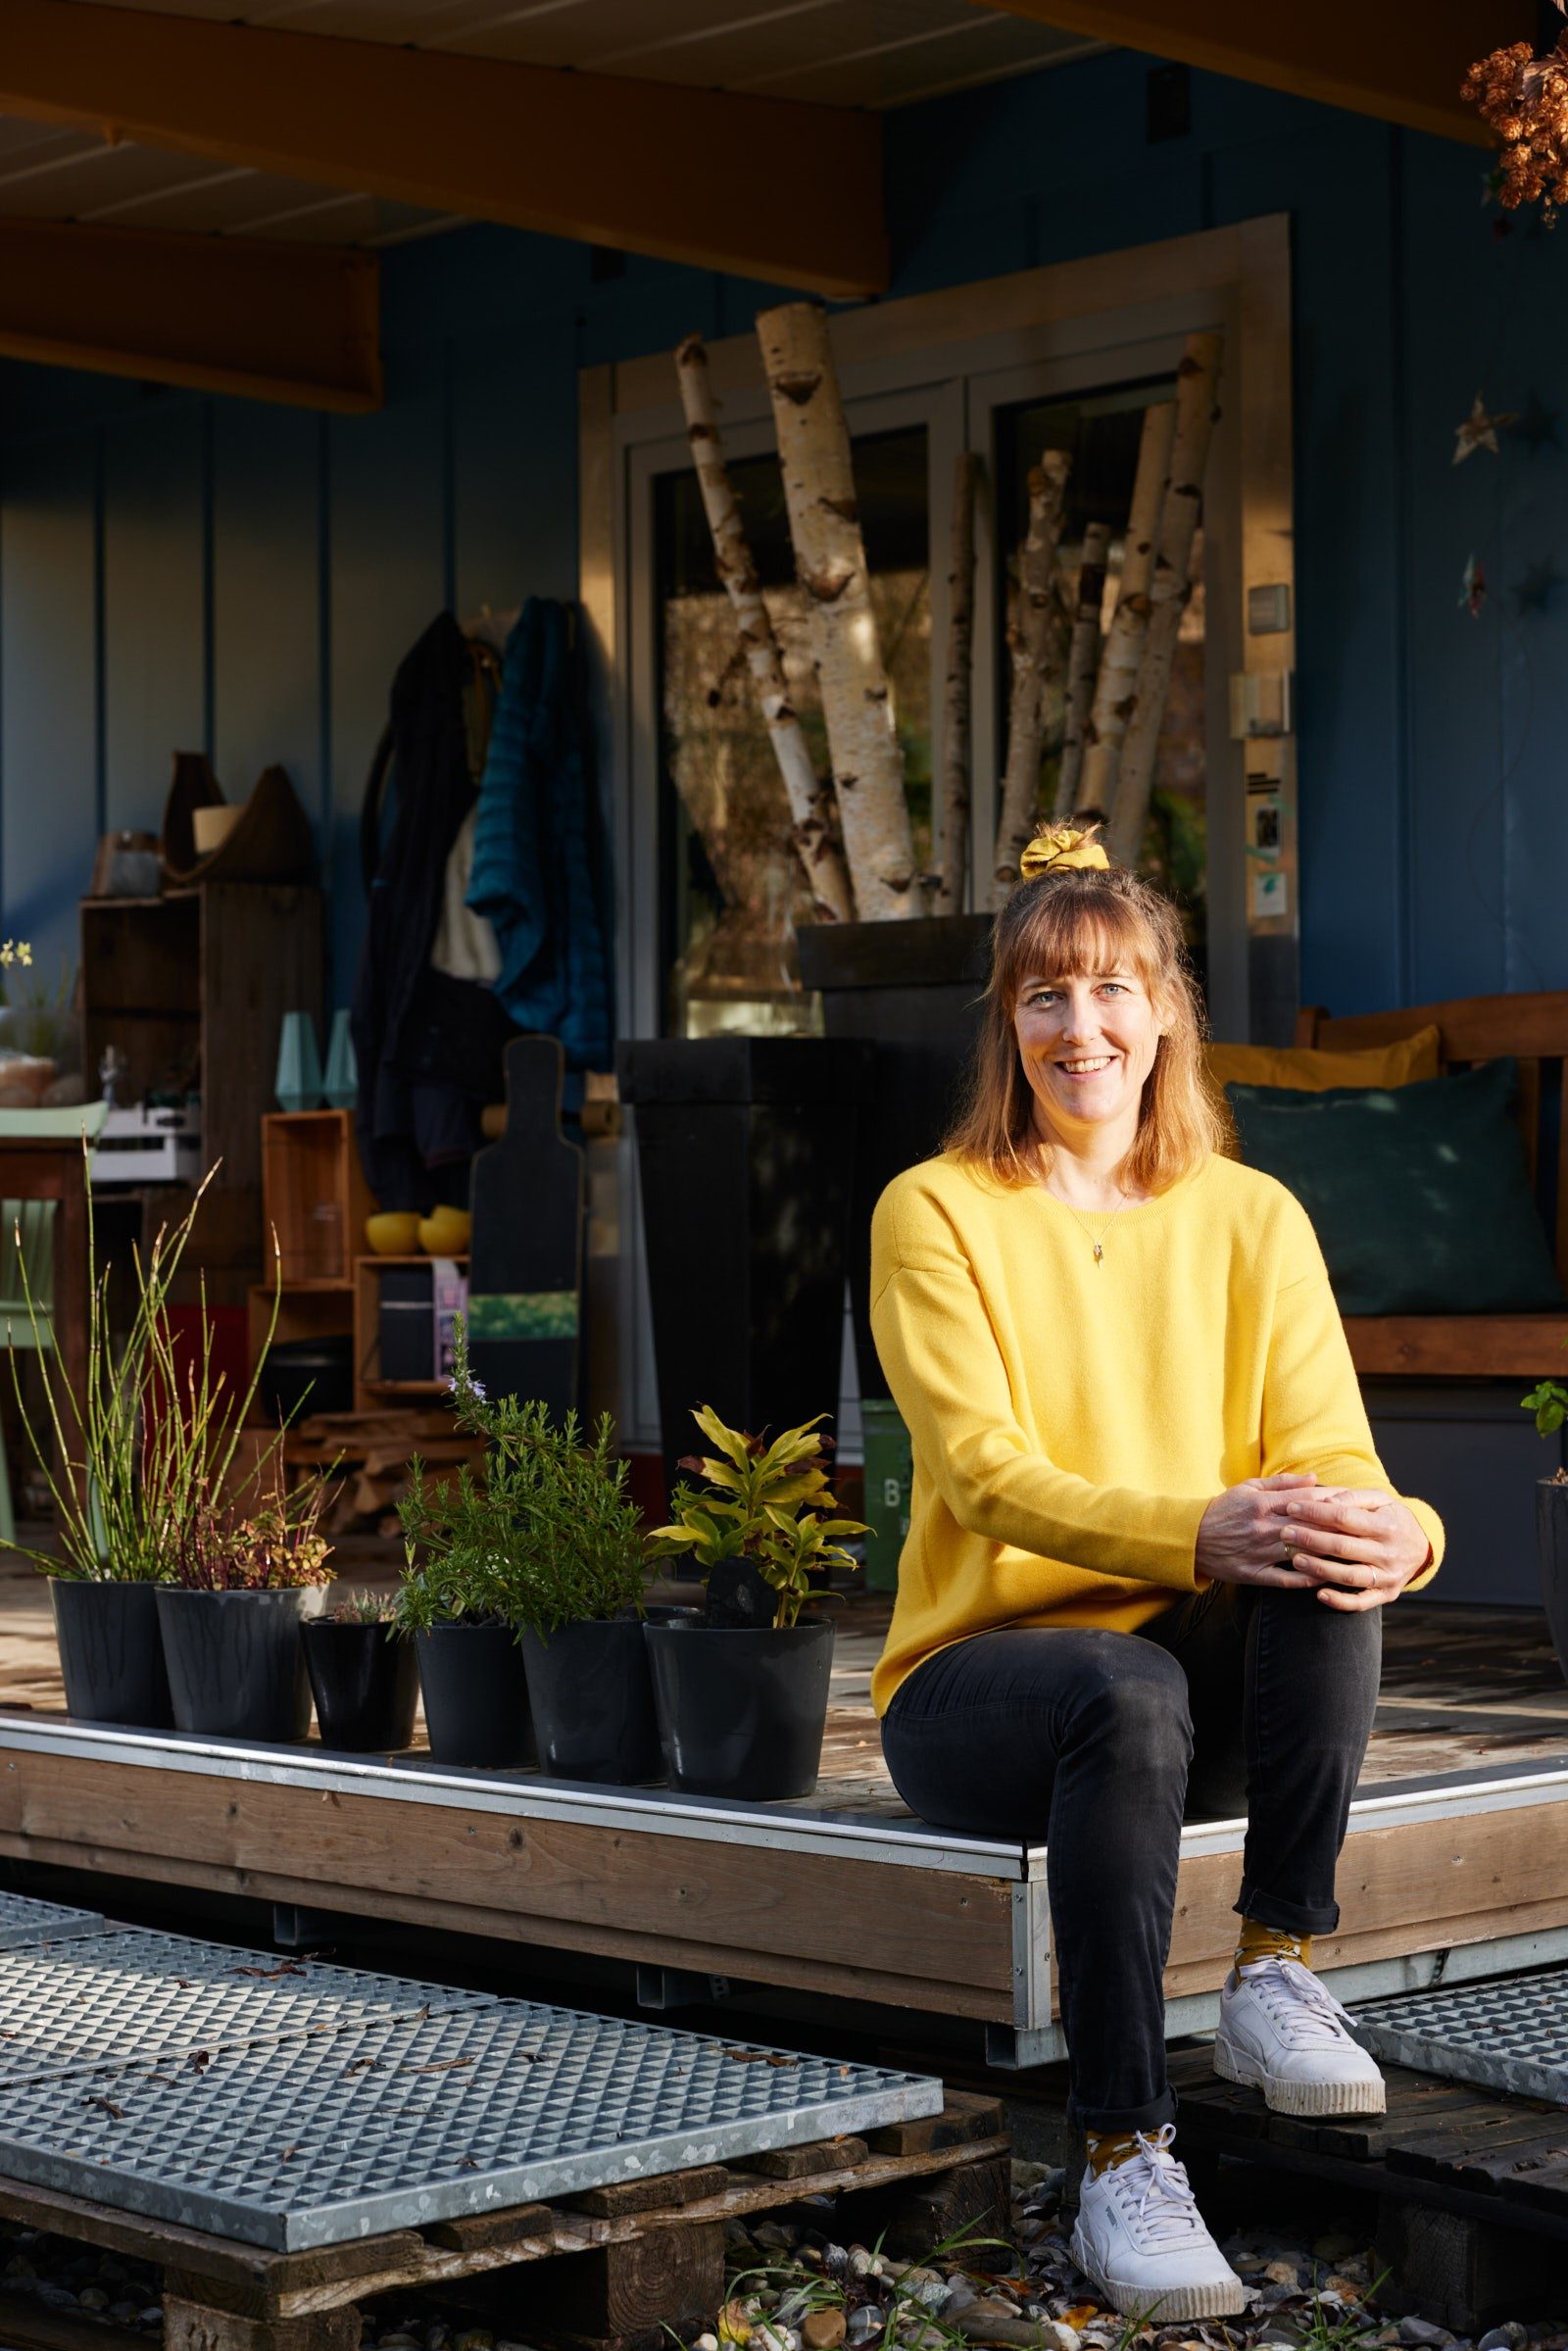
(190,989)
(370,1387)
(315,1198)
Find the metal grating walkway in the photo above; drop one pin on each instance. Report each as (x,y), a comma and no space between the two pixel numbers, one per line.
(307,2142)
(130,1994)
(24,1921)
(291,2104)
(1509,2032)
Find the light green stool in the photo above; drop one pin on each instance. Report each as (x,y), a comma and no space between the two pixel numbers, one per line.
(28,1246)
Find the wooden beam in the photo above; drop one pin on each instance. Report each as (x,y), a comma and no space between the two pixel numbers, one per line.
(1399,65)
(287,323)
(765,186)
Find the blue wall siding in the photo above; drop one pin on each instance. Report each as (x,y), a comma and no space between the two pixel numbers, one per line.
(177,571)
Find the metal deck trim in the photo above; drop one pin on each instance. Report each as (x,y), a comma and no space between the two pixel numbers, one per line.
(660,1814)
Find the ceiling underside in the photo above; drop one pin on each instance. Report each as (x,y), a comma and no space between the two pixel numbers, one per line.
(873,54)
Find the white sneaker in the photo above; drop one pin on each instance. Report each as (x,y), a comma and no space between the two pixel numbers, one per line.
(1141,2243)
(1284,2032)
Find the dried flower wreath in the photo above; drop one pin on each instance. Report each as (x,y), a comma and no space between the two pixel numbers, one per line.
(1524,98)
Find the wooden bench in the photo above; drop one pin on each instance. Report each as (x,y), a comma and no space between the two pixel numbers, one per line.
(1534,1029)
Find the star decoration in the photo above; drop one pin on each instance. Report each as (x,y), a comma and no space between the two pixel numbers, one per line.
(1473,588)
(1540,585)
(1479,431)
(1537,425)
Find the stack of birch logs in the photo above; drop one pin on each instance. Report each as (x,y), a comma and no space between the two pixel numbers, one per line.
(853,841)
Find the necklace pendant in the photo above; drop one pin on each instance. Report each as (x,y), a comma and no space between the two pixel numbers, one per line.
(1099,1252)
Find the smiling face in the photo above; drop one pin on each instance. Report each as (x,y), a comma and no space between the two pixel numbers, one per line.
(1087,1042)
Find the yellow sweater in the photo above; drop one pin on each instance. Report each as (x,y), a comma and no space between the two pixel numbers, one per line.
(1072,1422)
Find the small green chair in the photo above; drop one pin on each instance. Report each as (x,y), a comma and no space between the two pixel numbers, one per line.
(27,1247)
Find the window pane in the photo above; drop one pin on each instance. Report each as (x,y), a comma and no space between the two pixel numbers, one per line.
(1102,431)
(730,885)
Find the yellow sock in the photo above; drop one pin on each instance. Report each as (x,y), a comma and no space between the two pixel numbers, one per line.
(1258,1942)
(1115,2147)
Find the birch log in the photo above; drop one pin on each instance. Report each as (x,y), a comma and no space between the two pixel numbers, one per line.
(1117,683)
(1197,384)
(1083,662)
(1029,645)
(813,446)
(956,793)
(810,802)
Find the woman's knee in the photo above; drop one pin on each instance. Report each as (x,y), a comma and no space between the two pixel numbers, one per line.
(1134,1697)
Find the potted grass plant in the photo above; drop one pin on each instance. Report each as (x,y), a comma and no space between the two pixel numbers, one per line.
(575,1538)
(363,1676)
(1548,1401)
(241,1583)
(741,1693)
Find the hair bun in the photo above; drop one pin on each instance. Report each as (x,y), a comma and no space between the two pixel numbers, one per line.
(1060,849)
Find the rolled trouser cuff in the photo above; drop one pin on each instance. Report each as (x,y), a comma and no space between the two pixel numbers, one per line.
(1293,1918)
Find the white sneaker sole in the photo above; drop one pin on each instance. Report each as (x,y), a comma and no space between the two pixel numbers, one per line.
(1219,2298)
(1285,2096)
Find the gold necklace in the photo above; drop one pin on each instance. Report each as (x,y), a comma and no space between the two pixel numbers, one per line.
(1098,1247)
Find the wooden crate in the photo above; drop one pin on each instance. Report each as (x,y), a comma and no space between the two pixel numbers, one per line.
(313,1195)
(369,1389)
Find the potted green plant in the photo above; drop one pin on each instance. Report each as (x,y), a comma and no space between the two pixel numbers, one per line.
(575,1538)
(363,1676)
(240,1584)
(120,1490)
(1548,1401)
(743,1707)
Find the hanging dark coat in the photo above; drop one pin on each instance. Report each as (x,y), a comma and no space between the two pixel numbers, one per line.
(418,1091)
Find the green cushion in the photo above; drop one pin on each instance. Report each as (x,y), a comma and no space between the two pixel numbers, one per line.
(1420,1194)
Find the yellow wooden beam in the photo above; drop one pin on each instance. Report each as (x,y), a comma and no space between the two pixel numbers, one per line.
(270,322)
(1401,64)
(765,186)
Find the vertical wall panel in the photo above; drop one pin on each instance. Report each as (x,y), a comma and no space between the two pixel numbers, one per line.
(387,539)
(153,604)
(515,502)
(48,718)
(267,599)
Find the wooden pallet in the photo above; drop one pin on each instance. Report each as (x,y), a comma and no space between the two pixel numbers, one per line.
(616,2267)
(1470,2188)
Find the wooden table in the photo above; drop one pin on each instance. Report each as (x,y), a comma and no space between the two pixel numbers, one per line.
(51,1167)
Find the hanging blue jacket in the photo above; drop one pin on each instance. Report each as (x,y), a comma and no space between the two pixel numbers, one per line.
(533,874)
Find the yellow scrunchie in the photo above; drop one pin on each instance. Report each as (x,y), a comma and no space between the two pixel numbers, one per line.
(1059,848)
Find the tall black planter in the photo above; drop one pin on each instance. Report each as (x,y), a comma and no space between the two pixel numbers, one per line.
(592,1698)
(744,1152)
(364,1683)
(111,1652)
(911,990)
(1552,1528)
(236,1669)
(476,1696)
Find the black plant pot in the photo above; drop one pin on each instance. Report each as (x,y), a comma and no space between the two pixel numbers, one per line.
(592,1697)
(741,1713)
(1551,1534)
(744,1149)
(111,1652)
(236,1669)
(911,992)
(366,1685)
(476,1696)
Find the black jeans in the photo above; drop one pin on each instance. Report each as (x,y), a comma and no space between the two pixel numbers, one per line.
(1239,1699)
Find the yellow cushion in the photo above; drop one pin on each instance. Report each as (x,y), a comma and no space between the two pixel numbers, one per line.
(1313,1071)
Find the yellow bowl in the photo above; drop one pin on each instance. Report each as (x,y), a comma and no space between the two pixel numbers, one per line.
(393,1233)
(445,1232)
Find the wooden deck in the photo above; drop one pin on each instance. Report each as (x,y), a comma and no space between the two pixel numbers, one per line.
(1455,1843)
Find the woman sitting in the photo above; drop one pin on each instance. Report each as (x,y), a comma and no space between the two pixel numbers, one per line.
(1148,1541)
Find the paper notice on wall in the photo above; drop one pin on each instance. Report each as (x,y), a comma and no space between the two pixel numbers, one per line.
(450,1285)
(1268,894)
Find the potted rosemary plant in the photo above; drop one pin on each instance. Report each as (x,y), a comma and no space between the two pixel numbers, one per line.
(239,1588)
(363,1676)
(1548,1401)
(575,1543)
(741,1697)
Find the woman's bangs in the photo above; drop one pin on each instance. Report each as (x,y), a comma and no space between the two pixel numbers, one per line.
(1066,932)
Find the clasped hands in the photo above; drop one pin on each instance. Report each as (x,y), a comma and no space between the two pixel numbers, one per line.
(1357,1545)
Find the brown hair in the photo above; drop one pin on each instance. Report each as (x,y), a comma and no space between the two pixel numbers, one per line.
(1086,918)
